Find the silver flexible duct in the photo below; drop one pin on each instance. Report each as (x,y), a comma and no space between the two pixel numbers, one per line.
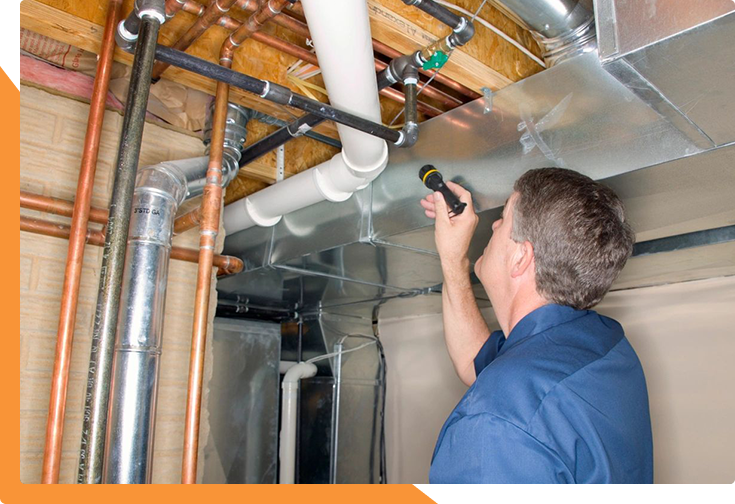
(159,191)
(563,28)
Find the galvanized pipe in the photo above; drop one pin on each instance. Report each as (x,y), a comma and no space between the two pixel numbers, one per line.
(129,448)
(563,28)
(160,190)
(108,300)
(75,255)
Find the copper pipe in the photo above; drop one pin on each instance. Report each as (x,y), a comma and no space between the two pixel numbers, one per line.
(296,26)
(225,264)
(210,214)
(63,207)
(172,7)
(209,227)
(440,78)
(448,101)
(58,207)
(188,221)
(382,48)
(298,52)
(215,10)
(75,255)
(396,95)
(193,8)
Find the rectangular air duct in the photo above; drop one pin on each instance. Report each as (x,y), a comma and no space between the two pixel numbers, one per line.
(662,90)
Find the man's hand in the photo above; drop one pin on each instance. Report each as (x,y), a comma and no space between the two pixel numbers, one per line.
(452,234)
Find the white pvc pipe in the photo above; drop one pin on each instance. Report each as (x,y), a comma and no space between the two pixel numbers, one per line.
(285,365)
(289,402)
(341,33)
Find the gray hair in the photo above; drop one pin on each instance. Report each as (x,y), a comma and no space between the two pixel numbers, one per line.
(577,227)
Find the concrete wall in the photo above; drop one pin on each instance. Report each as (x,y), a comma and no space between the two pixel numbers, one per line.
(684,335)
(52,130)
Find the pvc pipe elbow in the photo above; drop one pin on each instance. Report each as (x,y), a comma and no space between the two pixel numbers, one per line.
(297,373)
(371,171)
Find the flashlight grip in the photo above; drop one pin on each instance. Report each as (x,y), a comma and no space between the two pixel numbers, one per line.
(455,205)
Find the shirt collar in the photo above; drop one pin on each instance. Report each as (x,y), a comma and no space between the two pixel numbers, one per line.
(539,320)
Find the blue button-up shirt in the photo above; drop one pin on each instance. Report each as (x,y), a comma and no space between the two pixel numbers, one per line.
(562,400)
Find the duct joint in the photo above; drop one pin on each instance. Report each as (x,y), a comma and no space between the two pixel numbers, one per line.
(235,136)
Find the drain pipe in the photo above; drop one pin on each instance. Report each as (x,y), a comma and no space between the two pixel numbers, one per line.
(159,191)
(342,39)
(289,403)
(341,34)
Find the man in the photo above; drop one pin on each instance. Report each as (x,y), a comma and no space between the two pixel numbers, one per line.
(558,394)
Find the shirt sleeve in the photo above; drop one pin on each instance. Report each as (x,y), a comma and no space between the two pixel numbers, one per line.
(489,351)
(486,449)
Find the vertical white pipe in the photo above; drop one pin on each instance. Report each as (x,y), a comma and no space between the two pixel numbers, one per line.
(341,34)
(289,402)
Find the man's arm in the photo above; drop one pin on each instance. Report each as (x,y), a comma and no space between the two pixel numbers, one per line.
(465,331)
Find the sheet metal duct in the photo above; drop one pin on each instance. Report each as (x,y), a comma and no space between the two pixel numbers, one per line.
(643,103)
(243,403)
(159,191)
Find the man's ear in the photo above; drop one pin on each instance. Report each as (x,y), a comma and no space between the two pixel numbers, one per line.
(523,259)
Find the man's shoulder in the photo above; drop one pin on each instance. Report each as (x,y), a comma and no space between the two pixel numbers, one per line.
(516,383)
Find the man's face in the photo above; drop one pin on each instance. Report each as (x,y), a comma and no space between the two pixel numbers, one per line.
(493,267)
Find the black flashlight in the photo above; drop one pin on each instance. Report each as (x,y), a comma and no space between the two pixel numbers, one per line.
(432,179)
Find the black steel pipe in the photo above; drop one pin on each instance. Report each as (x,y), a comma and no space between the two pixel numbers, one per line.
(113,259)
(273,92)
(410,107)
(278,138)
(338,116)
(438,12)
(274,121)
(292,130)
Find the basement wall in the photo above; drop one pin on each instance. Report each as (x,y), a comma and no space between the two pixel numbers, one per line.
(683,334)
(52,130)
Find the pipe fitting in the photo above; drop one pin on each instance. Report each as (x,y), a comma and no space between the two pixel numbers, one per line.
(155,9)
(369,172)
(409,135)
(235,136)
(410,75)
(462,34)
(276,93)
(258,219)
(124,37)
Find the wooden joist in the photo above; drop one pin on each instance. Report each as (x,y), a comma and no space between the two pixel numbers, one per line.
(67,28)
(486,61)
